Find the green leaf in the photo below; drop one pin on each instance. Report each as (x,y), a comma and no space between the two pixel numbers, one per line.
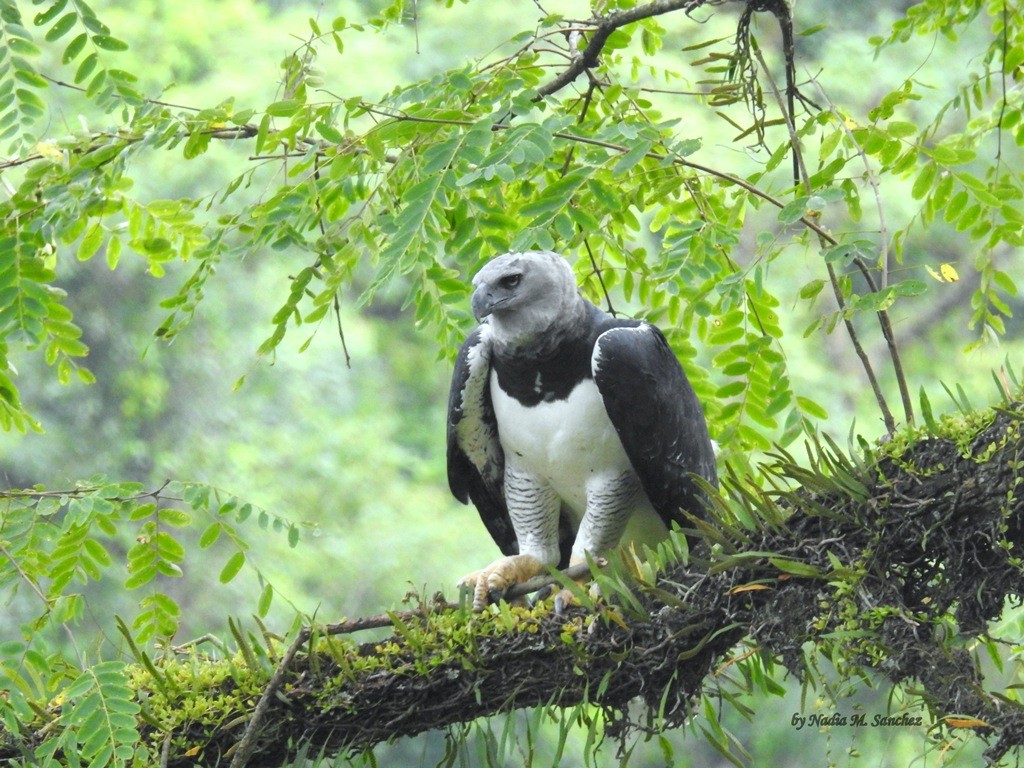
(420,199)
(45,17)
(266,597)
(618,39)
(841,253)
(794,210)
(969,218)
(555,197)
(811,289)
(330,133)
(30,77)
(141,576)
(956,204)
(924,181)
(739,368)
(926,413)
(113,252)
(1004,281)
(62,27)
(86,67)
(811,408)
(910,287)
(90,243)
(142,511)
(285,108)
(232,567)
(108,43)
(900,129)
(262,134)
(81,686)
(74,48)
(951,155)
(728,331)
(730,390)
(169,548)
(23,47)
(632,157)
(795,567)
(210,535)
(97,552)
(196,144)
(174,517)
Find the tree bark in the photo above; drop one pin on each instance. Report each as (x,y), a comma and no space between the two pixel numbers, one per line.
(916,549)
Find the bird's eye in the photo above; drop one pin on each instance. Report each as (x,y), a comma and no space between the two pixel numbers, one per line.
(510,281)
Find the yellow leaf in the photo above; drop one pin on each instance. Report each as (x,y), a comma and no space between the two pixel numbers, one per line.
(965,722)
(49,150)
(748,588)
(193,752)
(616,617)
(945,274)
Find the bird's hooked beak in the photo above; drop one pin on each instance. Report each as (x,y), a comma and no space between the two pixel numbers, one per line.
(483,302)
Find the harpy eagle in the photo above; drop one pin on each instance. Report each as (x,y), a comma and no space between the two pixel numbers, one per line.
(569,429)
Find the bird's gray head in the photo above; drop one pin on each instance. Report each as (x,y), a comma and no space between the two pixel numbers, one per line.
(526,295)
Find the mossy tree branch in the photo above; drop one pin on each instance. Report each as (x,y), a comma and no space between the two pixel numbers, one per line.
(904,555)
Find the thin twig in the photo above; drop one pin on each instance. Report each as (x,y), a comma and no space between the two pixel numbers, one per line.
(801,169)
(1002,104)
(588,99)
(224,134)
(25,577)
(319,208)
(80,89)
(341,331)
(883,233)
(247,745)
(872,177)
(885,322)
(600,277)
(165,751)
(603,28)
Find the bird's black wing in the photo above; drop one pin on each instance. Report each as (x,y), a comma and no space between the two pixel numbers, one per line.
(657,416)
(476,463)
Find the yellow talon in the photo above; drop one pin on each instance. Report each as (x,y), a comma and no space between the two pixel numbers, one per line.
(491,582)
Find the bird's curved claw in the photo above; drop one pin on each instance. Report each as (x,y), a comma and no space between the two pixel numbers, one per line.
(563,600)
(491,582)
(541,594)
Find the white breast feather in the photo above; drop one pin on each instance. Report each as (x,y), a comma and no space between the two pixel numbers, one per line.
(569,443)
